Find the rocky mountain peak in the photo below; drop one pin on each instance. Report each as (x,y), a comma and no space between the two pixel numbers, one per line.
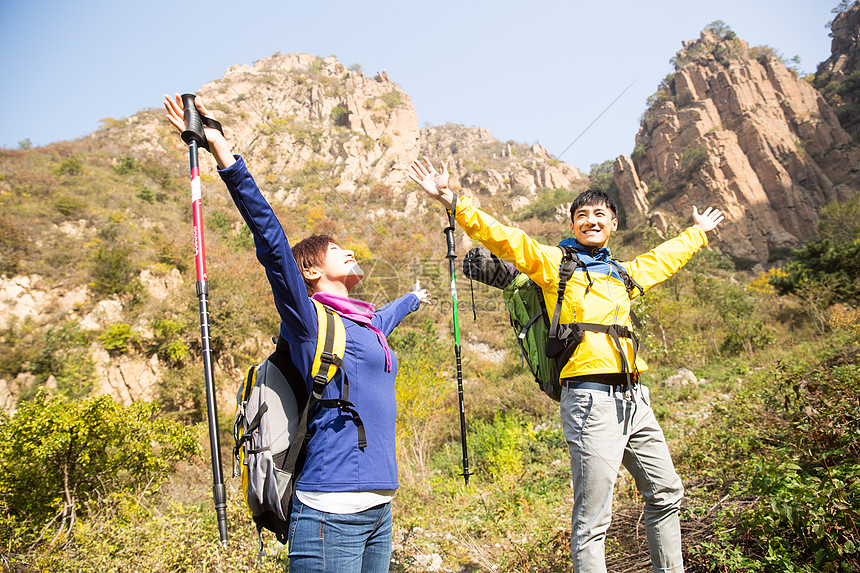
(735,127)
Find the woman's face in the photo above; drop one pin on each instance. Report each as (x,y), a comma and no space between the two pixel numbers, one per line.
(340,265)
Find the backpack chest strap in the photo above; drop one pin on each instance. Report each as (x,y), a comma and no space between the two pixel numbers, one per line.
(616,332)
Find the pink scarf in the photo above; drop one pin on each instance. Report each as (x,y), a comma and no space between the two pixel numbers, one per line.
(357,311)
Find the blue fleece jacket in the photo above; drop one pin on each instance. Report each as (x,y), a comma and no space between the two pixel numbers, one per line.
(334,461)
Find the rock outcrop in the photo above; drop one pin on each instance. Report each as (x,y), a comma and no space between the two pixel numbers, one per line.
(838,77)
(735,127)
(845,46)
(512,173)
(298,113)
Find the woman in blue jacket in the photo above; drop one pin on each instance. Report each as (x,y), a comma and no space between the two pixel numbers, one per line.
(341,518)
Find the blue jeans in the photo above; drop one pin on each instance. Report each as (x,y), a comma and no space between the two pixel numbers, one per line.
(605,429)
(322,542)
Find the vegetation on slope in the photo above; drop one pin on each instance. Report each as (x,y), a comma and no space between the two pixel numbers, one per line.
(765,441)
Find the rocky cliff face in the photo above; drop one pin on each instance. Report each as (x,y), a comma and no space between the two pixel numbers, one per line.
(734,127)
(838,77)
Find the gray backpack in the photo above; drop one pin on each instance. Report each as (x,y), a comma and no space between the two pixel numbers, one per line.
(273,410)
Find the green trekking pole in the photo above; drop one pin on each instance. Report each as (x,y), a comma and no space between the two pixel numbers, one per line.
(449,237)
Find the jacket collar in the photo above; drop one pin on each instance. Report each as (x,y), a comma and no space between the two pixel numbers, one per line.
(601,254)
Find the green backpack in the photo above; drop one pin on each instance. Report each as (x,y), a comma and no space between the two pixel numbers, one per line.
(527,309)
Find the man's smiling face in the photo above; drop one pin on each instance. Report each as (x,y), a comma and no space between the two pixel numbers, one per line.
(592,225)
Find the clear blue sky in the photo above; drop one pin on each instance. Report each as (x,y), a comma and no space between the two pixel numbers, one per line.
(537,71)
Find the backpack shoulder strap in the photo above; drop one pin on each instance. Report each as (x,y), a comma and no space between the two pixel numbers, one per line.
(331,344)
(328,358)
(630,285)
(569,262)
(628,281)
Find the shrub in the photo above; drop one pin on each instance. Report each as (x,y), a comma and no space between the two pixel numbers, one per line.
(840,221)
(113,270)
(168,253)
(168,343)
(243,240)
(118,338)
(69,206)
(744,334)
(659,192)
(340,116)
(59,459)
(658,97)
(499,446)
(684,98)
(126,165)
(71,166)
(392,99)
(63,355)
(146,194)
(218,221)
(692,159)
(718,27)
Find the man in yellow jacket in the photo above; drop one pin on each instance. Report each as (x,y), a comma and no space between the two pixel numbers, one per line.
(606,414)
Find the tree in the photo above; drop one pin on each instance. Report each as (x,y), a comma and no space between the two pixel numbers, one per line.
(840,220)
(831,263)
(839,9)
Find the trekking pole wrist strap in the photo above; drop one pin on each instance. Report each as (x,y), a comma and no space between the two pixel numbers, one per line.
(212,123)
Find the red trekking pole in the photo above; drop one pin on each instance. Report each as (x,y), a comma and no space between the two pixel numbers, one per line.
(193,135)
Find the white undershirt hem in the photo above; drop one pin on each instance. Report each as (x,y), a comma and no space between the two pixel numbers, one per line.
(344,501)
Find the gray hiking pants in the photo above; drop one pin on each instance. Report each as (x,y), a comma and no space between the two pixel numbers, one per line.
(604,429)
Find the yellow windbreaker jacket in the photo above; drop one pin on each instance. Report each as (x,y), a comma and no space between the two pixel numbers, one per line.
(607,301)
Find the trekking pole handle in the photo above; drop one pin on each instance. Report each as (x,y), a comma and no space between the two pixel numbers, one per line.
(193,123)
(449,238)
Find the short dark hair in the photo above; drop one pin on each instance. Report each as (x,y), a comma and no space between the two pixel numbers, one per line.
(311,252)
(592,198)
